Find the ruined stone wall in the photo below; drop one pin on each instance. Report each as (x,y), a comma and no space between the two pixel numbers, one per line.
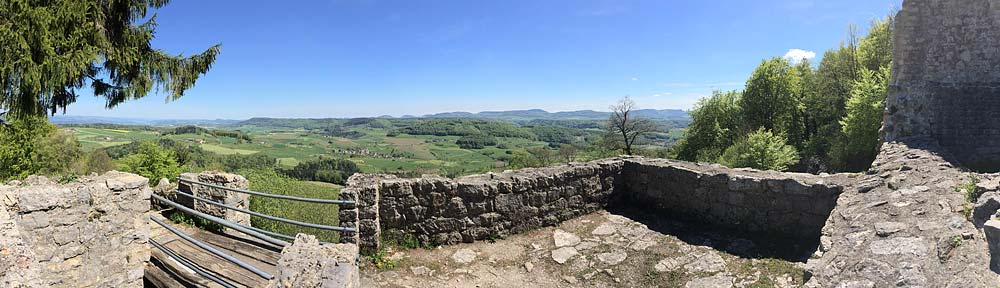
(89,233)
(945,84)
(788,204)
(235,199)
(446,211)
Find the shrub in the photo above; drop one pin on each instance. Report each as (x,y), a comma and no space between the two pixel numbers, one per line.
(760,150)
(153,162)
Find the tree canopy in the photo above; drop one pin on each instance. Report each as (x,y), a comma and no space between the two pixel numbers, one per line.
(50,50)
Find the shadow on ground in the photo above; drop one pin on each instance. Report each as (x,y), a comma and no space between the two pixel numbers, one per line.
(738,243)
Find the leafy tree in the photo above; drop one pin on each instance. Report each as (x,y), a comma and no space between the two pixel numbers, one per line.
(52,49)
(30,145)
(532,157)
(772,100)
(97,161)
(625,127)
(568,153)
(153,162)
(56,153)
(760,150)
(864,118)
(715,125)
(324,170)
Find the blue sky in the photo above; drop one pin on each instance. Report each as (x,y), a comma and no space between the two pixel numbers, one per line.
(352,58)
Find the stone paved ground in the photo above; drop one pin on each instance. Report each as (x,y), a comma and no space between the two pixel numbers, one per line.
(596,250)
(902,225)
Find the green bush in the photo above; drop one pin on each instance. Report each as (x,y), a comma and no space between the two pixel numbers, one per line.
(760,150)
(153,162)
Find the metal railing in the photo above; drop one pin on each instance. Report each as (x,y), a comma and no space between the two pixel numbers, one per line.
(266,236)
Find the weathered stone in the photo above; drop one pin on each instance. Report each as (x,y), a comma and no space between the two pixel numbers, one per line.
(612,258)
(604,229)
(884,229)
(96,222)
(710,262)
(563,254)
(464,256)
(717,281)
(900,245)
(307,263)
(987,206)
(564,239)
(991,230)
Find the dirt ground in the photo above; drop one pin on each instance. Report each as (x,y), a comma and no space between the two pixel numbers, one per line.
(597,250)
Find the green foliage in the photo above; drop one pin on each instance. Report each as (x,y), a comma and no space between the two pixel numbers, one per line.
(30,145)
(714,127)
(270,181)
(185,219)
(830,114)
(52,49)
(863,119)
(772,100)
(476,141)
(533,157)
(968,188)
(324,170)
(465,127)
(97,161)
(760,150)
(955,241)
(152,162)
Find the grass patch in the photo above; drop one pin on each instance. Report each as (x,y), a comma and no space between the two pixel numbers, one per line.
(226,150)
(968,189)
(275,183)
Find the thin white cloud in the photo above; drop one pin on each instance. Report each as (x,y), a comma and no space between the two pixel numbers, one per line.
(796,55)
(635,78)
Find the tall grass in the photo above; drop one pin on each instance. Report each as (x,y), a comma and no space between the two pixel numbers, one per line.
(272,182)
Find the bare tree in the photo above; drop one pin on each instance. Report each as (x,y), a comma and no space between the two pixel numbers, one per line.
(625,127)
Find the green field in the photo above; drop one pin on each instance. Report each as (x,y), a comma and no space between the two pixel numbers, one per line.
(370,147)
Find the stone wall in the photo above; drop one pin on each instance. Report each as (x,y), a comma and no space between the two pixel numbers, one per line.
(945,84)
(438,210)
(235,199)
(790,205)
(89,233)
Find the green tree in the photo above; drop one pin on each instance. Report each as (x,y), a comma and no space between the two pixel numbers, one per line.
(760,150)
(715,123)
(56,153)
(49,50)
(97,161)
(772,101)
(153,162)
(864,118)
(18,146)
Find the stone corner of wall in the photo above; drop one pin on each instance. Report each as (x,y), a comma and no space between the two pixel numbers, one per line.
(89,232)
(307,263)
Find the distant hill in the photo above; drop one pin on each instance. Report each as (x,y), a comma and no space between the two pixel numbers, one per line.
(63,119)
(666,114)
